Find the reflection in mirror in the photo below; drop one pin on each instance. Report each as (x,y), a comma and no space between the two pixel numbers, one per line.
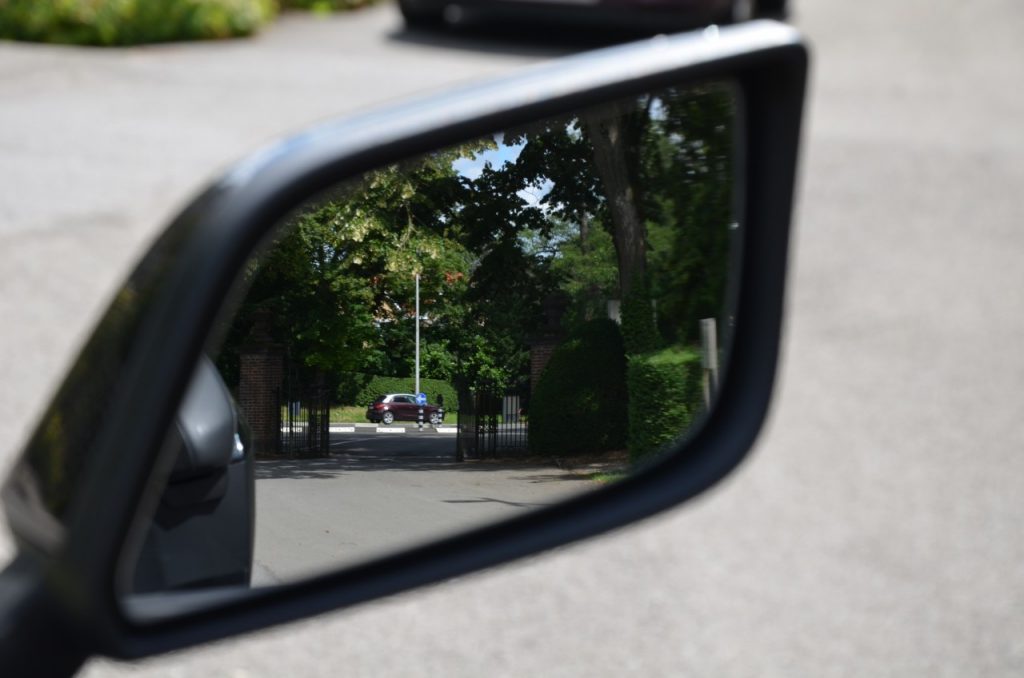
(457,339)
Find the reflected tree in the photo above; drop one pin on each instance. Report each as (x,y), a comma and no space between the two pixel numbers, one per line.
(627,200)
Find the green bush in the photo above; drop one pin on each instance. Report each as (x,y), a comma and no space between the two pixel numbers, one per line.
(579,404)
(131,22)
(361,389)
(326,6)
(666,395)
(350,388)
(639,332)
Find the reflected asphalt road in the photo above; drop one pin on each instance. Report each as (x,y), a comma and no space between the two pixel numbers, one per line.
(377,493)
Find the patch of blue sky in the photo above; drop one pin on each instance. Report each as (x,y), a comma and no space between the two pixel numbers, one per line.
(472,168)
(535,193)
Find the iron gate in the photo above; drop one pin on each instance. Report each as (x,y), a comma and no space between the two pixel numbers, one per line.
(492,424)
(305,415)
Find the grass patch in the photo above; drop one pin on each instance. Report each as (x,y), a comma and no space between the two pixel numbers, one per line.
(339,414)
(606,477)
(326,6)
(348,414)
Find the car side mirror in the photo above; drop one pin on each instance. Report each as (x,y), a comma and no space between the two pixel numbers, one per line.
(207,425)
(91,478)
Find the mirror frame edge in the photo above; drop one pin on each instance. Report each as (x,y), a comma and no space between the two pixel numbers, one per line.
(769,62)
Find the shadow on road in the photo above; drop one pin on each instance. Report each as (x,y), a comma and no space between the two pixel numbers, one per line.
(515,38)
(299,469)
(340,464)
(488,500)
(554,477)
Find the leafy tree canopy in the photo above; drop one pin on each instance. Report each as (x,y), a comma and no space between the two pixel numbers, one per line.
(637,190)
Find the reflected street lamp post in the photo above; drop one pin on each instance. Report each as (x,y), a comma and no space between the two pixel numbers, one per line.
(419,415)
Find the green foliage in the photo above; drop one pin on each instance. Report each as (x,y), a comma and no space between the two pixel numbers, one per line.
(679,170)
(131,22)
(350,388)
(665,397)
(582,263)
(639,333)
(326,6)
(503,309)
(361,389)
(340,282)
(493,228)
(579,405)
(689,185)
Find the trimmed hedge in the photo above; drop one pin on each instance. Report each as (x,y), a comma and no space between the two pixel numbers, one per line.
(579,404)
(131,22)
(666,392)
(639,332)
(361,389)
(326,6)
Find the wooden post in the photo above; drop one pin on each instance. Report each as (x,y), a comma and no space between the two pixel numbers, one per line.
(709,358)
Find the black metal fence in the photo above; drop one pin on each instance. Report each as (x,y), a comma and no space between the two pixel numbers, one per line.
(492,424)
(305,415)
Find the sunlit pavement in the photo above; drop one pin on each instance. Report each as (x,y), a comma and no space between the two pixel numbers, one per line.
(376,494)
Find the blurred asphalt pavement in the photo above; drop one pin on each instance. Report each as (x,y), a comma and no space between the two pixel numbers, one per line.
(876,531)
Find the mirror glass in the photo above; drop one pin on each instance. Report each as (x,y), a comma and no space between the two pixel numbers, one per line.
(456,339)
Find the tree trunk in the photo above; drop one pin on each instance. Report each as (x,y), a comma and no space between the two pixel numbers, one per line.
(612,138)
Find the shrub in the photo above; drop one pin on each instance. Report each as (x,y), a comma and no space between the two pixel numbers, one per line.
(579,404)
(361,389)
(639,332)
(666,395)
(350,388)
(131,22)
(326,6)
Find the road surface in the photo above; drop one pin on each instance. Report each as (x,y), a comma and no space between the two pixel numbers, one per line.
(380,493)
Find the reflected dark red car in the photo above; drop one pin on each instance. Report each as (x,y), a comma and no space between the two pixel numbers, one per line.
(653,16)
(393,407)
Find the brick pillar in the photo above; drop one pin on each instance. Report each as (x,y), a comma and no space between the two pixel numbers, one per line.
(261,374)
(541,349)
(550,336)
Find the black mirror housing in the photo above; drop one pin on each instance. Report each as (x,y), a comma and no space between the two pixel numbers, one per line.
(206,425)
(96,459)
